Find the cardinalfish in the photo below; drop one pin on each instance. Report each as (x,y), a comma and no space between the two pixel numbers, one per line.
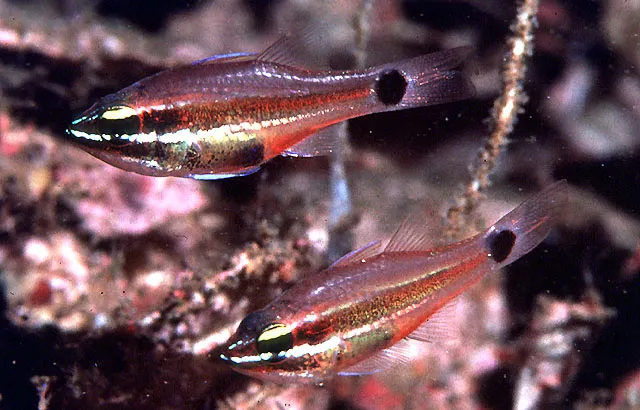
(357,316)
(227,115)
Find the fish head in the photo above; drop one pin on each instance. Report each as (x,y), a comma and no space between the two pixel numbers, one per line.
(111,121)
(272,348)
(114,130)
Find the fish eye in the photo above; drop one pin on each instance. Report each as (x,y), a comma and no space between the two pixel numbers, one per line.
(117,121)
(273,341)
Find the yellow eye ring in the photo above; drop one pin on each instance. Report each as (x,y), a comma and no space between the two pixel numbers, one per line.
(118,113)
(274,341)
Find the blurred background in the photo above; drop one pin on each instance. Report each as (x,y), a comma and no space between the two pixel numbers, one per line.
(117,290)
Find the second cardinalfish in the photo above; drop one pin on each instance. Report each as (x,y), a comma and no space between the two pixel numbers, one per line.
(227,115)
(355,317)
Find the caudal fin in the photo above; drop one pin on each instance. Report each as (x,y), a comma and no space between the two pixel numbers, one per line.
(522,229)
(425,80)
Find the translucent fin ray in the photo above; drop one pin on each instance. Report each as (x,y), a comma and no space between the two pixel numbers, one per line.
(321,143)
(440,327)
(293,51)
(413,234)
(434,79)
(357,256)
(399,353)
(531,221)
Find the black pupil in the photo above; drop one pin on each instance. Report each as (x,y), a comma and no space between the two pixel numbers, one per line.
(275,339)
(117,127)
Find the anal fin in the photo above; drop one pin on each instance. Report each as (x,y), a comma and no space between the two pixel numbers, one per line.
(321,143)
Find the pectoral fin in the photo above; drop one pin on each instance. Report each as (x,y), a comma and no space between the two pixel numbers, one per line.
(440,328)
(399,353)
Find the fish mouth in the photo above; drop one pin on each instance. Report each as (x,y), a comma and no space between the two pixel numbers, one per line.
(81,138)
(79,132)
(239,357)
(229,351)
(234,364)
(232,360)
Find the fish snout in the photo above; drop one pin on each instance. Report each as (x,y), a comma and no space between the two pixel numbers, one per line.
(114,125)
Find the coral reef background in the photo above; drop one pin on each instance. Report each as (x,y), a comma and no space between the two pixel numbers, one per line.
(117,290)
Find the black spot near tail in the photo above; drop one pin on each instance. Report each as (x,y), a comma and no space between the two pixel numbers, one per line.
(391,87)
(501,244)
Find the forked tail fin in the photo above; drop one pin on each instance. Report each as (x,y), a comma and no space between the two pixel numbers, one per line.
(522,229)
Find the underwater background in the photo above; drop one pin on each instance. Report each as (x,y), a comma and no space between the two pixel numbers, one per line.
(118,291)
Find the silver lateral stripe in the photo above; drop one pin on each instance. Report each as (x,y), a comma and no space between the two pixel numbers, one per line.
(150,137)
(220,134)
(312,350)
(80,134)
(295,352)
(240,132)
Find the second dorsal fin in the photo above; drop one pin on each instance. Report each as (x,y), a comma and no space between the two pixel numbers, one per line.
(282,52)
(295,50)
(413,234)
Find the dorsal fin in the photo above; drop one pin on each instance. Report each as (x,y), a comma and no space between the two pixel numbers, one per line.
(399,353)
(281,52)
(413,234)
(357,256)
(226,58)
(323,142)
(294,51)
